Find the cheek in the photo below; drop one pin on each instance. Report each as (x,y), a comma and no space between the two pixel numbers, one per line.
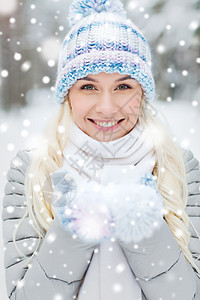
(79,107)
(133,105)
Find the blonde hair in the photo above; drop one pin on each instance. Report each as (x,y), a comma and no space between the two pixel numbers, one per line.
(169,171)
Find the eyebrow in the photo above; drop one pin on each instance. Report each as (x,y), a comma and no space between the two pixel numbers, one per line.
(120,79)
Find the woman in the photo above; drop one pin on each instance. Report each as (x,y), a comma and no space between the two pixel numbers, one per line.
(102,209)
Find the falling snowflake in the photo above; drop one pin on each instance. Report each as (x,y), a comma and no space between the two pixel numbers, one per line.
(117,288)
(26,66)
(4,73)
(17,56)
(58,297)
(120,268)
(8,7)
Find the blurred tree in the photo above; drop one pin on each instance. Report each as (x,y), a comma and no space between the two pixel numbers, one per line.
(12,84)
(29,48)
(172,29)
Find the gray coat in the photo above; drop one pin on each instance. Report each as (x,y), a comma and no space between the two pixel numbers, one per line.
(162,270)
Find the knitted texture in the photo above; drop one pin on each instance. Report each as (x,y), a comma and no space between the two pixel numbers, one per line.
(81,9)
(102,40)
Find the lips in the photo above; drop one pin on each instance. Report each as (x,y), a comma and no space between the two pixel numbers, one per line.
(106,128)
(98,120)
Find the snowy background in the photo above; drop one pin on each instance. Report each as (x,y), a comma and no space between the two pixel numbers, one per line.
(31,33)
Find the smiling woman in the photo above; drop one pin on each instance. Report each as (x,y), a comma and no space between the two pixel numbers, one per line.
(109,104)
(104,208)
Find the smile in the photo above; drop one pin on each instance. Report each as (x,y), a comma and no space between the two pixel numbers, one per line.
(105,126)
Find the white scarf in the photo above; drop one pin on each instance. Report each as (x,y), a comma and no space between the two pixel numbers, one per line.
(109,276)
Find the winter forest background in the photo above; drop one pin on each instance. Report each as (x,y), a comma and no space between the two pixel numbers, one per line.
(31,33)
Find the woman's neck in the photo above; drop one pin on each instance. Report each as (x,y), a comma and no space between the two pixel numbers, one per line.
(92,158)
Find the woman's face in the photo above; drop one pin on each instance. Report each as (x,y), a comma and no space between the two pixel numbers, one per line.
(105,106)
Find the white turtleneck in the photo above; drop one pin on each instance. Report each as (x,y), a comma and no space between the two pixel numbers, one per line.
(109,275)
(130,155)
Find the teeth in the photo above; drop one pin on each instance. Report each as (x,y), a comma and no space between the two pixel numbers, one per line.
(106,124)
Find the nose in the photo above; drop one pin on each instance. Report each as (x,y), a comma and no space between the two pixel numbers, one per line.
(107,104)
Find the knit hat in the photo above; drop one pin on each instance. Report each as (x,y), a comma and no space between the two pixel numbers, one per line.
(101,39)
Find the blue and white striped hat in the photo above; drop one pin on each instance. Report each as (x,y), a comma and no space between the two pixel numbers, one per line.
(101,39)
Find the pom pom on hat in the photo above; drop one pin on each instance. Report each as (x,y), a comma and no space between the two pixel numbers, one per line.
(80,9)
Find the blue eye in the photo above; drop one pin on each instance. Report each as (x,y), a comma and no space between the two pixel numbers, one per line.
(90,87)
(87,87)
(124,86)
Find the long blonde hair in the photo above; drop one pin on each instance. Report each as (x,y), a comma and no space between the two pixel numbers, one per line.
(169,171)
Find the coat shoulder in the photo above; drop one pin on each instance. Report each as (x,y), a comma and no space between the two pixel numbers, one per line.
(16,172)
(20,162)
(191,162)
